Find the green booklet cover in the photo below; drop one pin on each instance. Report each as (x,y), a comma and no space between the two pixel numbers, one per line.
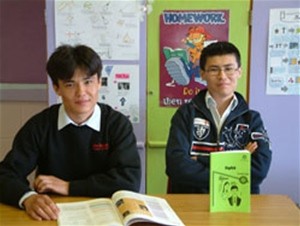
(230,181)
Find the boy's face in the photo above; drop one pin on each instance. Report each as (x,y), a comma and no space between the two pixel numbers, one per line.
(79,95)
(221,74)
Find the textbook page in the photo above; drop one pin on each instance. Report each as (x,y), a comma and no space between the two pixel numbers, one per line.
(90,212)
(134,207)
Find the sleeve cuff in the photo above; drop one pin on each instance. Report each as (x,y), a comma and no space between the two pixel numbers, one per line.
(25,196)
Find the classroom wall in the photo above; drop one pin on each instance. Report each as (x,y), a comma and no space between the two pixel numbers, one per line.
(281,114)
(23,51)
(12,116)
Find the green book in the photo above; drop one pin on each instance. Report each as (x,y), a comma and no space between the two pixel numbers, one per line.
(230,181)
(181,53)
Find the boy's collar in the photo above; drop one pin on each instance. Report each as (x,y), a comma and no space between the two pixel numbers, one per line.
(93,122)
(210,101)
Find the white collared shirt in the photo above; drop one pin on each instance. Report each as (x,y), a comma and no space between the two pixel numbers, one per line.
(93,122)
(212,106)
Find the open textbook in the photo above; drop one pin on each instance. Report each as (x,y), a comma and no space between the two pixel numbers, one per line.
(124,208)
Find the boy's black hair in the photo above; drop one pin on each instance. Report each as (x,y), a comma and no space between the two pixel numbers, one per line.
(66,59)
(219,49)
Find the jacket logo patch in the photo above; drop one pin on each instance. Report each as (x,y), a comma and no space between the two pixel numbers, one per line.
(236,137)
(201,128)
(100,147)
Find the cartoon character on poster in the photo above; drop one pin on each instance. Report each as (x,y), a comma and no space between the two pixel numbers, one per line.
(183,64)
(183,35)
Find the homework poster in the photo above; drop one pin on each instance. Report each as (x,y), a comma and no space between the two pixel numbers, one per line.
(183,35)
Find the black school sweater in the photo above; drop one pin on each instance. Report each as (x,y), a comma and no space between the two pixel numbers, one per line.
(95,163)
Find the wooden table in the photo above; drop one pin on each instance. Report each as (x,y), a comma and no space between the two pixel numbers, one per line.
(266,210)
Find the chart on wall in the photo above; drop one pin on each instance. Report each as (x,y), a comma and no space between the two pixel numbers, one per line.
(109,27)
(283,75)
(120,86)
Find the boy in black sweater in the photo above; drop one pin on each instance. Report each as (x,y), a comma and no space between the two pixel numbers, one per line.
(78,148)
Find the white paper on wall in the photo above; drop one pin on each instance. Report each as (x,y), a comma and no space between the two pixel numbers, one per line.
(120,89)
(110,27)
(283,68)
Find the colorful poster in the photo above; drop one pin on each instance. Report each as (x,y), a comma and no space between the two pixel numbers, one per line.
(120,89)
(183,35)
(112,28)
(283,69)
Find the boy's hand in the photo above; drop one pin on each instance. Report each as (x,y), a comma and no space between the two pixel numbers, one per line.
(251,146)
(45,183)
(41,207)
